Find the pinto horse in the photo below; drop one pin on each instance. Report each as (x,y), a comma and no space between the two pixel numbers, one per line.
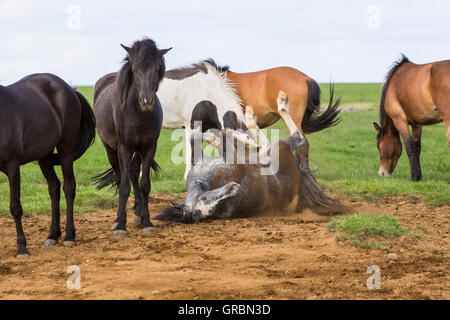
(217,189)
(415,95)
(215,95)
(129,118)
(200,92)
(39,113)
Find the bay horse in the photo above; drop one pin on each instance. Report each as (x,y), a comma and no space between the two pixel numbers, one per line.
(416,95)
(39,113)
(129,119)
(260,89)
(217,189)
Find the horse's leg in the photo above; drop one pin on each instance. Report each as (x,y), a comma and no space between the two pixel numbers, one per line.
(416,141)
(447,125)
(69,188)
(135,171)
(188,150)
(54,190)
(13,171)
(411,147)
(145,187)
(124,190)
(302,152)
(114,162)
(251,123)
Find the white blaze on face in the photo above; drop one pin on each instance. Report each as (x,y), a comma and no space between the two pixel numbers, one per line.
(205,205)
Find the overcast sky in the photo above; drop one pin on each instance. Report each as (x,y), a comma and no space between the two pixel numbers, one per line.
(343,41)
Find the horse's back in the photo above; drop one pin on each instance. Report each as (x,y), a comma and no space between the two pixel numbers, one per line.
(180,97)
(103,83)
(35,113)
(418,89)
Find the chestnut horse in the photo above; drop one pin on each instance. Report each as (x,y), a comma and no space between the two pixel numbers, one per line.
(416,95)
(260,90)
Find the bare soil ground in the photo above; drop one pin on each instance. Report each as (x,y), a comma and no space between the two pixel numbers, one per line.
(292,257)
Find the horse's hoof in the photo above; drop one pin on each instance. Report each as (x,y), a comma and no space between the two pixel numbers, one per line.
(68,243)
(148,230)
(23,256)
(114,225)
(50,242)
(119,233)
(137,220)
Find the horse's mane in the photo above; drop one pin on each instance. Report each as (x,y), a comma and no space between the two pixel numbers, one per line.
(395,66)
(142,52)
(185,72)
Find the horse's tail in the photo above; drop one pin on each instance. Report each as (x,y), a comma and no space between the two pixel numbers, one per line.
(86,132)
(108,177)
(179,212)
(313,122)
(312,196)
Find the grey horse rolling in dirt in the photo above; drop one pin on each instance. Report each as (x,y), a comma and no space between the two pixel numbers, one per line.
(220,189)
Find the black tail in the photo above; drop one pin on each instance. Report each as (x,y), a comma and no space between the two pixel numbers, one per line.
(104,179)
(108,178)
(312,121)
(86,133)
(177,213)
(312,196)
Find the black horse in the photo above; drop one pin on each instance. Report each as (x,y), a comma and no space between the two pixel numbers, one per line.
(129,119)
(37,114)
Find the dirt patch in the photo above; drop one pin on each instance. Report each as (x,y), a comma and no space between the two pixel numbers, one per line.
(291,257)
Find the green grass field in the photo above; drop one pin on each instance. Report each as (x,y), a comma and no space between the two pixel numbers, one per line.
(347,156)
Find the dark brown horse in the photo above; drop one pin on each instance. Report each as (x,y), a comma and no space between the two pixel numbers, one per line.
(39,113)
(415,95)
(221,189)
(129,119)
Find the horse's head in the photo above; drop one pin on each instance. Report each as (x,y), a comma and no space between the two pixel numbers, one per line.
(390,148)
(145,67)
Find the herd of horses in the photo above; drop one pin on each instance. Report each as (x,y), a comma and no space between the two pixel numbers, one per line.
(41,113)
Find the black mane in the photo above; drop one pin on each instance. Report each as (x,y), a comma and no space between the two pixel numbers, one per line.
(141,55)
(395,66)
(185,72)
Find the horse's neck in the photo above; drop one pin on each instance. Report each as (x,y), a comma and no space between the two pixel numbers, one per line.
(388,125)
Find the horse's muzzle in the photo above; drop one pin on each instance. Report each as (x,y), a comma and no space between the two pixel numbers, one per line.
(147,104)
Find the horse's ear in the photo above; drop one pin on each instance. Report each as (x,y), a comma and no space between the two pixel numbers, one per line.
(164,51)
(127,49)
(377,127)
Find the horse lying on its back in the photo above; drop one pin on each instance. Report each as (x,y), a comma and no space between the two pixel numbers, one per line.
(220,190)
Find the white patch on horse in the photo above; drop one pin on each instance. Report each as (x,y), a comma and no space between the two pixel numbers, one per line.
(179,98)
